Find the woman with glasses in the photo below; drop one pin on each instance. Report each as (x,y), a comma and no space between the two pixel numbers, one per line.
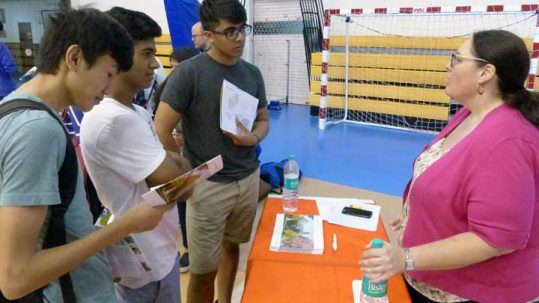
(469,230)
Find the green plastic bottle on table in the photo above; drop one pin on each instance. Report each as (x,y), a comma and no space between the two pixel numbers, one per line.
(373,292)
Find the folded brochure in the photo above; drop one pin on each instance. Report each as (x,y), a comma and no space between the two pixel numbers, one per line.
(125,258)
(167,193)
(236,104)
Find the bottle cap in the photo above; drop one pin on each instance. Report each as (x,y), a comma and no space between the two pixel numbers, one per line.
(377,243)
(291,157)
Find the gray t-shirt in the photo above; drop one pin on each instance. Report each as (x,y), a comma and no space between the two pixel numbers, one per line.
(194,90)
(32,149)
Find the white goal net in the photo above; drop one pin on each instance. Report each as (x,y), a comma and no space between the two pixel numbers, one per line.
(390,69)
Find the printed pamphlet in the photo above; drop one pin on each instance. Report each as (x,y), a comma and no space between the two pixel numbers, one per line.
(168,192)
(125,257)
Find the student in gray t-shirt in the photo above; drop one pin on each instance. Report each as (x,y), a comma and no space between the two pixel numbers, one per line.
(221,210)
(80,52)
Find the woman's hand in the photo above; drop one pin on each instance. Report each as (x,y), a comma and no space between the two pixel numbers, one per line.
(380,264)
(396,224)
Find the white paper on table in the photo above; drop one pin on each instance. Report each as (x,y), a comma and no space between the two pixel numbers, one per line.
(330,209)
(327,207)
(356,290)
(236,104)
(370,224)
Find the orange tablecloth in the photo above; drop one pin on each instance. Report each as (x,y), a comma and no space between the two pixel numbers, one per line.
(288,277)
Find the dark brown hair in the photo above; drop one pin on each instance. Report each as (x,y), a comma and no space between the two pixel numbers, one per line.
(508,53)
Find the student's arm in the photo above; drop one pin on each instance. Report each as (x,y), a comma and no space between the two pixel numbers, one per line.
(254,137)
(166,119)
(173,166)
(23,269)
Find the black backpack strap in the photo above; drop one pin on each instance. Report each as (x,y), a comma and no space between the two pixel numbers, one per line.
(67,184)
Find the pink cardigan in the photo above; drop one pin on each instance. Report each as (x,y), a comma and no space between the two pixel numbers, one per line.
(487,184)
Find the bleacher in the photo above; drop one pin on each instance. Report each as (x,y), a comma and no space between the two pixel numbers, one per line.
(389,75)
(163,46)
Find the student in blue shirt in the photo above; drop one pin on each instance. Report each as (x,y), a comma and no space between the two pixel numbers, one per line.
(81,52)
(8,69)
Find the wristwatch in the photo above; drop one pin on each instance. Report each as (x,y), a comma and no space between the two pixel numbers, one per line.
(408,260)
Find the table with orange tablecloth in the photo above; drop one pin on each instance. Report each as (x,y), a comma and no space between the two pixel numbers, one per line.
(287,277)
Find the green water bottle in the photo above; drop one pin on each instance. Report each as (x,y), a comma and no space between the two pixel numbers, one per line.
(373,292)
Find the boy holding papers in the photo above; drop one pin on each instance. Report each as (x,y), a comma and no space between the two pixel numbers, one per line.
(221,211)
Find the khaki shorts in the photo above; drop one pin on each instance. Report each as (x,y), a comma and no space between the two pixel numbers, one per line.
(218,211)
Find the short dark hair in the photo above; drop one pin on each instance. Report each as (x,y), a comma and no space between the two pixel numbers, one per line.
(183,53)
(139,25)
(212,10)
(96,33)
(508,53)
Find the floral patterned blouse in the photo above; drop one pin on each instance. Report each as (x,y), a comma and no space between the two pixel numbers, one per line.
(424,161)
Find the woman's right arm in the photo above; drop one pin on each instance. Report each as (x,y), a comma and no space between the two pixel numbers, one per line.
(458,251)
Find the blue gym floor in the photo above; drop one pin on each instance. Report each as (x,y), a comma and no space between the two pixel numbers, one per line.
(367,157)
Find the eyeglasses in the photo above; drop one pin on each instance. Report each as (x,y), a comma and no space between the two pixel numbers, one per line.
(456,58)
(193,37)
(232,33)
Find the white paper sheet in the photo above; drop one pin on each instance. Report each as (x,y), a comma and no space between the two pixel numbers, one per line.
(356,290)
(327,207)
(330,210)
(370,224)
(237,104)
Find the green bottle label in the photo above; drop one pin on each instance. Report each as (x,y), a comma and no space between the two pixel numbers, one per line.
(377,290)
(291,184)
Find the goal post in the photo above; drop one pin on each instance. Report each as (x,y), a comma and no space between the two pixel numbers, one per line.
(387,67)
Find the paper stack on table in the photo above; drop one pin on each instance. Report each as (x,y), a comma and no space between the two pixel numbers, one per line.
(330,210)
(298,234)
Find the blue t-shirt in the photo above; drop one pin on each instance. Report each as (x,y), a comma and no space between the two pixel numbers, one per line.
(8,70)
(32,149)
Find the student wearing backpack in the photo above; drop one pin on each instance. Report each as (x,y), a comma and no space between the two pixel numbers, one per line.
(124,157)
(80,52)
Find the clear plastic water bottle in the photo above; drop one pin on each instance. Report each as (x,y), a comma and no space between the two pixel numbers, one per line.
(291,182)
(373,292)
